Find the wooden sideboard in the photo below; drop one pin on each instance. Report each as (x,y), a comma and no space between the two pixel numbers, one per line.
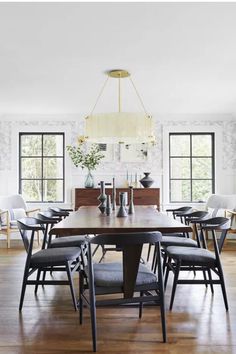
(142,196)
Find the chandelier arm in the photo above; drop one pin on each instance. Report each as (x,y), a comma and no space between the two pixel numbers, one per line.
(99,95)
(139,97)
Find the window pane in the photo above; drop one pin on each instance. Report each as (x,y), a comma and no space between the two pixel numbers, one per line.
(179,145)
(180,191)
(53,167)
(31,190)
(31,145)
(42,157)
(202,168)
(53,145)
(52,190)
(180,168)
(31,167)
(201,190)
(201,145)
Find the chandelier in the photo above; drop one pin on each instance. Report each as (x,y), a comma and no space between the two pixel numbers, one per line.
(119,127)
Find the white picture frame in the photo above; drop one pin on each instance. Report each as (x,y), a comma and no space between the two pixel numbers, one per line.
(108,151)
(133,152)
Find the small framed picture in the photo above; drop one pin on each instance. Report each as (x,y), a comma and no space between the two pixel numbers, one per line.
(134,152)
(108,151)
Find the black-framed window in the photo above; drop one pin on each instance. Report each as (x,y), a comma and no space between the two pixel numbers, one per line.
(191,166)
(42,167)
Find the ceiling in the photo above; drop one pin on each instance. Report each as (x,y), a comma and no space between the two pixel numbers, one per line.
(53,57)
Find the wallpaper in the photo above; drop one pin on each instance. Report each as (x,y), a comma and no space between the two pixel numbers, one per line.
(116,165)
(5,145)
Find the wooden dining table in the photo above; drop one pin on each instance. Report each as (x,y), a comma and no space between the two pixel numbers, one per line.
(89,220)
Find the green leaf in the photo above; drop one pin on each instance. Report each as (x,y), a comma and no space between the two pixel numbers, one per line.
(80,157)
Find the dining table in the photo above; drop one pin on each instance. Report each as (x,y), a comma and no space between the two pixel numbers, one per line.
(89,220)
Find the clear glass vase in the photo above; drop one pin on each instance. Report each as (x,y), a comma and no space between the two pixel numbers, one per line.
(89,181)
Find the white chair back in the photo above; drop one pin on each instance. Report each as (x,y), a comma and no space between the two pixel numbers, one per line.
(15,201)
(218,203)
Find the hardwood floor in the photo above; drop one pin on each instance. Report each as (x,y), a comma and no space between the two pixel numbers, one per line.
(49,325)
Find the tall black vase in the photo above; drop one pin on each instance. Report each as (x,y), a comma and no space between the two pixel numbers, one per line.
(131,201)
(146,181)
(102,198)
(113,194)
(122,209)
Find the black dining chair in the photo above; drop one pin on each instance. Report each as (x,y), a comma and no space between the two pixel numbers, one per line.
(60,259)
(175,213)
(136,282)
(195,219)
(185,258)
(59,212)
(181,239)
(180,212)
(49,218)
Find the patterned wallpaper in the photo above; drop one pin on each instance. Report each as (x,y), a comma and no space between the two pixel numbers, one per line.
(229,145)
(154,163)
(5,145)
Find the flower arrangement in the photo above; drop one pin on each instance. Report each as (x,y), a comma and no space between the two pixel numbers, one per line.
(83,157)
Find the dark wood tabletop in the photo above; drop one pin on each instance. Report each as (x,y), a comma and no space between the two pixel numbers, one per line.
(89,220)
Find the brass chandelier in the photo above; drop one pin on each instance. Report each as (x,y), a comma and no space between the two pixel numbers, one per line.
(119,127)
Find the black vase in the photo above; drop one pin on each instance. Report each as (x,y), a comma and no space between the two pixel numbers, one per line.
(146,181)
(122,209)
(102,198)
(131,202)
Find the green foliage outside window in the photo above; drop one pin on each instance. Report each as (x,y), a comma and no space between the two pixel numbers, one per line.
(191,167)
(41,167)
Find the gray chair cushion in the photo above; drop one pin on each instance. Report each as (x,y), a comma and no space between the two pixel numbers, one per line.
(68,241)
(191,255)
(111,274)
(177,241)
(55,256)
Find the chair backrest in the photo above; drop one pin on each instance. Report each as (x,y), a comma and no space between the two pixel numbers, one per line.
(15,201)
(131,245)
(197,215)
(180,212)
(27,227)
(218,203)
(62,213)
(217,224)
(47,216)
(48,219)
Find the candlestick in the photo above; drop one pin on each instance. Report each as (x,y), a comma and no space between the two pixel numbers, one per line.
(113,194)
(131,203)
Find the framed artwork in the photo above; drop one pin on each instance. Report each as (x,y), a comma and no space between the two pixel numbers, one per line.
(108,151)
(133,152)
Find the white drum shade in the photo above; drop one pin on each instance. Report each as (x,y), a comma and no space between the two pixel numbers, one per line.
(120,127)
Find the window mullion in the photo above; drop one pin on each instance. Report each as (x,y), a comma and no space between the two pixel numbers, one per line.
(191,169)
(197,190)
(42,188)
(29,184)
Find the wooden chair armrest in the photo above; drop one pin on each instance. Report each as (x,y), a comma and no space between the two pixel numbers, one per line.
(2,212)
(233,212)
(232,215)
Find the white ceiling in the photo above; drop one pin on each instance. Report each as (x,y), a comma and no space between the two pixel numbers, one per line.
(182,56)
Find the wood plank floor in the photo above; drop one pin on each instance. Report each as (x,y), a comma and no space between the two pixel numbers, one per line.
(49,325)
